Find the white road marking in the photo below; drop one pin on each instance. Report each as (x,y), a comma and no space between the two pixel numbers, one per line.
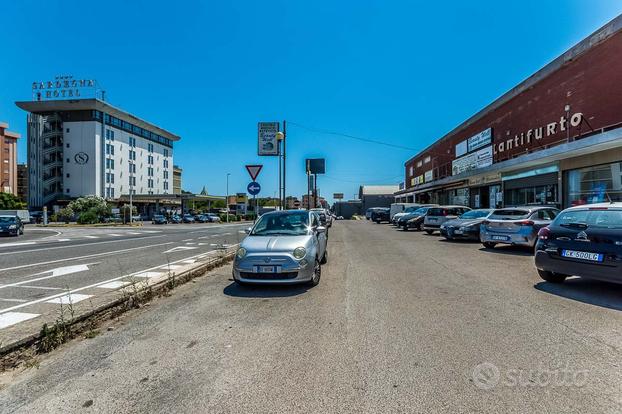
(62,240)
(179,248)
(133,232)
(70,298)
(39,287)
(152,231)
(191,261)
(92,237)
(11,318)
(113,285)
(61,271)
(114,234)
(16,244)
(82,245)
(12,300)
(190,243)
(147,274)
(171,267)
(186,240)
(144,272)
(81,257)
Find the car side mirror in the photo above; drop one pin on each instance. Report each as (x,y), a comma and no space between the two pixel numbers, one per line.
(248,230)
(320,229)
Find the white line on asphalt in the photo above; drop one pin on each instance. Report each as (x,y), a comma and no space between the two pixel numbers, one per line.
(137,274)
(133,232)
(114,234)
(113,285)
(186,240)
(11,318)
(179,248)
(148,275)
(91,237)
(12,300)
(55,273)
(81,245)
(16,244)
(62,240)
(69,298)
(171,267)
(39,287)
(81,257)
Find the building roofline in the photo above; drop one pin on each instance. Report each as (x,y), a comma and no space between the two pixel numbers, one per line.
(595,38)
(90,104)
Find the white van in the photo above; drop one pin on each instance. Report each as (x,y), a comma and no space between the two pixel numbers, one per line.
(398,208)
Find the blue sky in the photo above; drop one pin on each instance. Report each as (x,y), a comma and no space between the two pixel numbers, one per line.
(404,72)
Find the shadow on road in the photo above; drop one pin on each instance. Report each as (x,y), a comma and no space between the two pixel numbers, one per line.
(593,292)
(272,291)
(511,250)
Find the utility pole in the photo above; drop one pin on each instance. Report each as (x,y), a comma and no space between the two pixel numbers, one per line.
(284,162)
(227,198)
(131,191)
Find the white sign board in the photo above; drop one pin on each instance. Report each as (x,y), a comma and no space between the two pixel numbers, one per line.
(480,140)
(267,140)
(473,161)
(429,176)
(461,148)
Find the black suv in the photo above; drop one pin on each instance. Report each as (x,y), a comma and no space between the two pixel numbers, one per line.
(381,214)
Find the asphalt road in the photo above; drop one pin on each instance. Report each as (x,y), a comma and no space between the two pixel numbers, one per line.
(40,268)
(401,322)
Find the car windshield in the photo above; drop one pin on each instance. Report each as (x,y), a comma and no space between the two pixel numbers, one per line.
(509,214)
(475,214)
(158,217)
(608,219)
(290,224)
(6,219)
(411,209)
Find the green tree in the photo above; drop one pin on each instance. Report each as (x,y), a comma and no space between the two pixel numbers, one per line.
(90,209)
(10,202)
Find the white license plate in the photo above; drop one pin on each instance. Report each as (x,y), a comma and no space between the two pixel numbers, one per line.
(593,257)
(266,269)
(431,219)
(458,231)
(500,238)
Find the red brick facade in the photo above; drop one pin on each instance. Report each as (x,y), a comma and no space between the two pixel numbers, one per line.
(590,84)
(8,160)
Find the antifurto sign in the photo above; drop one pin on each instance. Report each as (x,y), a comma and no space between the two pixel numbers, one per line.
(267,139)
(63,87)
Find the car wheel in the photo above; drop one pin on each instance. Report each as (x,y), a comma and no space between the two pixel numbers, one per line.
(317,273)
(21,232)
(552,276)
(405,227)
(419,227)
(489,245)
(429,231)
(325,257)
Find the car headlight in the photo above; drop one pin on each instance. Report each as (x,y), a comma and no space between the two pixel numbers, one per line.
(443,226)
(12,227)
(300,252)
(241,253)
(412,220)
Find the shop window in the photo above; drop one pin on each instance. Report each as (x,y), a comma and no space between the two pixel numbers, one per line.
(597,184)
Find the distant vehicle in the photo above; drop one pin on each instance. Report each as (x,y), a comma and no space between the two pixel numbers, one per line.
(159,219)
(201,218)
(213,218)
(465,226)
(516,225)
(439,215)
(369,212)
(36,217)
(187,218)
(24,215)
(582,241)
(400,208)
(410,209)
(11,225)
(282,247)
(381,214)
(325,215)
(175,219)
(137,218)
(413,220)
(339,217)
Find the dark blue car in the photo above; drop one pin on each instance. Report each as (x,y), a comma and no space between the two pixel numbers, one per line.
(582,241)
(11,226)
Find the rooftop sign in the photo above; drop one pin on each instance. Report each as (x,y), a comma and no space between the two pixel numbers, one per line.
(63,87)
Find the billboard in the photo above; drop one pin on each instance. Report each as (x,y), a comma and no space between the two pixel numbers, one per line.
(267,143)
(480,140)
(316,166)
(338,196)
(472,161)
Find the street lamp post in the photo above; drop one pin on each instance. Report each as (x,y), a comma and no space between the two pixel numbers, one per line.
(131,191)
(227,198)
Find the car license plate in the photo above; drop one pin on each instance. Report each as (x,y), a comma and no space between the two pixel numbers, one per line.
(266,269)
(431,219)
(573,254)
(458,231)
(500,238)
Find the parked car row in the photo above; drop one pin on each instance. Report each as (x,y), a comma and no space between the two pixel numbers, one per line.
(186,218)
(583,240)
(11,225)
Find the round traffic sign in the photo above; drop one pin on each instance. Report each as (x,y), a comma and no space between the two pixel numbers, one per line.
(253,188)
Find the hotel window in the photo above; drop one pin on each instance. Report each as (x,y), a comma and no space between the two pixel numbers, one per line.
(133,181)
(165,163)
(133,168)
(150,147)
(110,163)
(132,142)
(150,183)
(165,152)
(112,193)
(166,185)
(150,159)
(166,175)
(150,171)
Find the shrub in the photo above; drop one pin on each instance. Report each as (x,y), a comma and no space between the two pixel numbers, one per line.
(88,217)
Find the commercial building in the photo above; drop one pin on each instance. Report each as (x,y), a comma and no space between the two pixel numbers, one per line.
(376,195)
(86,146)
(22,182)
(556,138)
(177,179)
(8,158)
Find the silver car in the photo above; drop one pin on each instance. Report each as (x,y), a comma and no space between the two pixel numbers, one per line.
(282,247)
(515,225)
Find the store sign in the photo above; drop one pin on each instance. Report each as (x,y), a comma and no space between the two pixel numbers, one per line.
(525,139)
(338,196)
(429,176)
(418,180)
(486,179)
(473,161)
(480,140)
(62,87)
(267,139)
(461,148)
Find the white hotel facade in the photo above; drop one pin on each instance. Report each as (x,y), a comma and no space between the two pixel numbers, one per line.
(80,147)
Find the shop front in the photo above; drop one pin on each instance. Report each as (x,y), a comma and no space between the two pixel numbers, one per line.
(594,184)
(532,187)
